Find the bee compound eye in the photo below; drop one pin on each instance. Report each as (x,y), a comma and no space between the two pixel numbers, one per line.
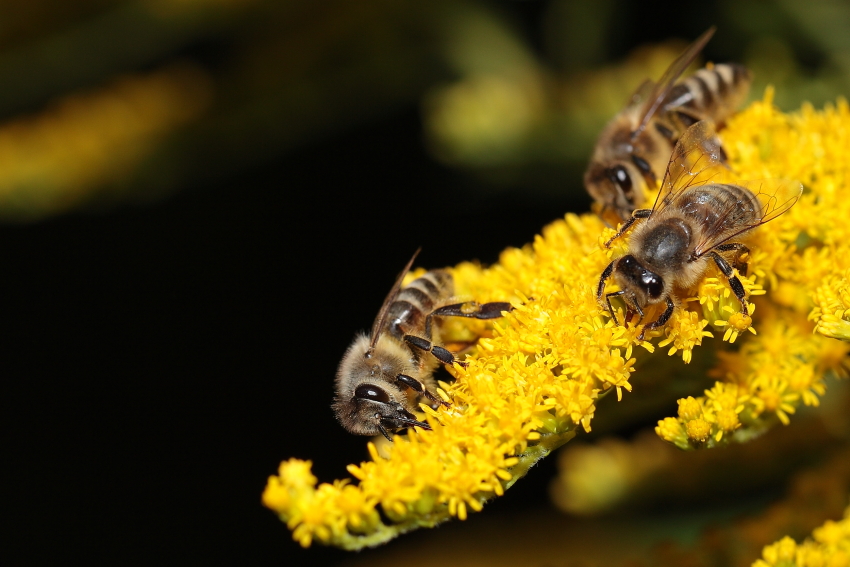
(372,393)
(654,285)
(628,264)
(620,177)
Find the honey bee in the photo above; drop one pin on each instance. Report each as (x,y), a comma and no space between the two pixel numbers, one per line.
(638,141)
(693,222)
(384,375)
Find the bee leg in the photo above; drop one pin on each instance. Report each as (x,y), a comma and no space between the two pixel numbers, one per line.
(608,297)
(637,214)
(661,320)
(440,353)
(420,388)
(734,282)
(600,289)
(741,249)
(469,309)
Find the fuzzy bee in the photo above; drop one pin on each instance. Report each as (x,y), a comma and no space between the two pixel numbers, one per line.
(636,144)
(694,223)
(384,375)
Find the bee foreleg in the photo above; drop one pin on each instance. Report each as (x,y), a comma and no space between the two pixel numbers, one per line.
(420,388)
(734,282)
(605,275)
(661,320)
(741,249)
(636,215)
(440,353)
(610,307)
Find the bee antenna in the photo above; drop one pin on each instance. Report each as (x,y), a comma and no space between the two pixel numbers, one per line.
(385,308)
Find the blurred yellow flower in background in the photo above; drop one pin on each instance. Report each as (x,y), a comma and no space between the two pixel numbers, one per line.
(60,158)
(828,546)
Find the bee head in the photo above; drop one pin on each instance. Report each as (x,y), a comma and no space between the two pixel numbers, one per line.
(369,399)
(615,185)
(374,409)
(642,286)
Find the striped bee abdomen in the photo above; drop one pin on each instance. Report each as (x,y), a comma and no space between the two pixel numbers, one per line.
(712,92)
(732,206)
(415,301)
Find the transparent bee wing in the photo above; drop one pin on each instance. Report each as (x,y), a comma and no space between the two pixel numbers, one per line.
(380,320)
(641,94)
(775,196)
(654,99)
(697,159)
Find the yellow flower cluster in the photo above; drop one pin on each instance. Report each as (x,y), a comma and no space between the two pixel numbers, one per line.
(802,257)
(531,384)
(832,307)
(829,547)
(539,371)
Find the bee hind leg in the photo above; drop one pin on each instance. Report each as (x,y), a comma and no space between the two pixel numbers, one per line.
(469,309)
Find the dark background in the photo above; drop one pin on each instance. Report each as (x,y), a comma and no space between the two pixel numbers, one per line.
(159,360)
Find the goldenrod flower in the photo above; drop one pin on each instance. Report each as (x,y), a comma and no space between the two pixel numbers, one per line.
(801,259)
(829,546)
(832,307)
(540,371)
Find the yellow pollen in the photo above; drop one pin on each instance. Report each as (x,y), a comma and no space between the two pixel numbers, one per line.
(469,308)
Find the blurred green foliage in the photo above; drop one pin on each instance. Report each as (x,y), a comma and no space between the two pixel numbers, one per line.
(514,92)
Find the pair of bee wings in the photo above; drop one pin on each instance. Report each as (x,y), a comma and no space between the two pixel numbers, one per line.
(698,160)
(652,96)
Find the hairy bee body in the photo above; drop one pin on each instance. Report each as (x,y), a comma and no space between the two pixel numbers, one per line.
(385,375)
(634,147)
(693,223)
(665,246)
(415,301)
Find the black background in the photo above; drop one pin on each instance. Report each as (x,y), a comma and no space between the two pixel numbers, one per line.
(159,363)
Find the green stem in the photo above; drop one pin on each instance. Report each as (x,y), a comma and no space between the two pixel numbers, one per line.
(383,533)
